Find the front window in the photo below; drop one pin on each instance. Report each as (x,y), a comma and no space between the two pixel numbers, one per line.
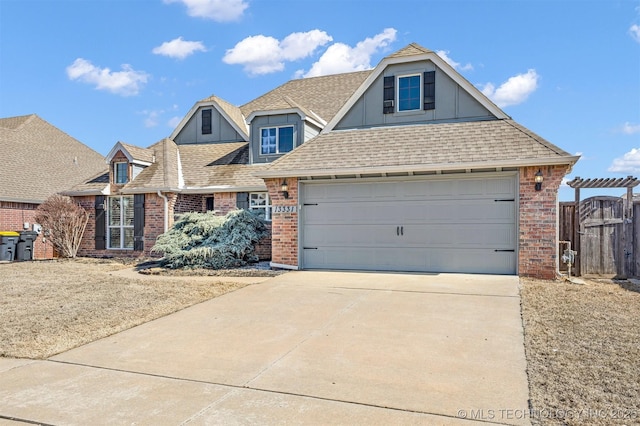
(276,140)
(121,172)
(120,220)
(409,92)
(259,202)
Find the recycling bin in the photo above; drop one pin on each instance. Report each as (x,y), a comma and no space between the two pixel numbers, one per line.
(8,241)
(24,246)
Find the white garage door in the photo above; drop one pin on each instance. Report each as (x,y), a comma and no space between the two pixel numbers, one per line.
(433,225)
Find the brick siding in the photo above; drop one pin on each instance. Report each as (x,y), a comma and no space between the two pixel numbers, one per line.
(154,222)
(13,217)
(538,234)
(284,226)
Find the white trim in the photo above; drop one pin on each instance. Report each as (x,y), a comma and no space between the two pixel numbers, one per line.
(122,226)
(277,127)
(420,86)
(282,266)
(194,109)
(317,120)
(431,56)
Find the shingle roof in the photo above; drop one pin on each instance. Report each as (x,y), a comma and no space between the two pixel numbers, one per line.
(200,168)
(422,147)
(412,49)
(323,95)
(140,154)
(39,160)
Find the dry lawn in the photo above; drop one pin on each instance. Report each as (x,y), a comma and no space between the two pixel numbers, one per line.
(583,351)
(582,342)
(51,306)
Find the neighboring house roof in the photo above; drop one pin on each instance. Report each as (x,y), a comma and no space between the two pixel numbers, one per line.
(419,148)
(39,160)
(324,96)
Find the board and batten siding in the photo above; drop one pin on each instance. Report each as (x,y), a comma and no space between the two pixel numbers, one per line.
(277,120)
(221,130)
(452,102)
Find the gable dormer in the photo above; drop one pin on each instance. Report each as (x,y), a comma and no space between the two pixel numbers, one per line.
(211,120)
(412,86)
(126,162)
(279,128)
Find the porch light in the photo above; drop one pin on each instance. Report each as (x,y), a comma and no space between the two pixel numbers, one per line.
(538,179)
(284,188)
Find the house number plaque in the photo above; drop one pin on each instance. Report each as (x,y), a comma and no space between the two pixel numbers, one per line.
(285,209)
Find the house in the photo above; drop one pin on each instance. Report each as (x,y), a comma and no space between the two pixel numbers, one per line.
(38,160)
(406,167)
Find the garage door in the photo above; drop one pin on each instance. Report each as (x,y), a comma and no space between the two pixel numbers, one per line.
(431,225)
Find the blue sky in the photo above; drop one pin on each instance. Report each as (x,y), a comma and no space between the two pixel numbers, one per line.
(129,70)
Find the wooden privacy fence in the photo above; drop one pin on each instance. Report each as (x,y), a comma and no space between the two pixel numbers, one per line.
(603,230)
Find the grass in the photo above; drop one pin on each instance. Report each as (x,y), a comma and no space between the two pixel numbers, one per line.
(52,306)
(582,344)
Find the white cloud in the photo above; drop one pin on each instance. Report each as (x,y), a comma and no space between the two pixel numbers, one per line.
(339,57)
(179,48)
(444,54)
(263,54)
(217,10)
(513,91)
(628,163)
(127,82)
(630,128)
(634,30)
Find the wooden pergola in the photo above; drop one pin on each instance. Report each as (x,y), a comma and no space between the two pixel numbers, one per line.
(578,183)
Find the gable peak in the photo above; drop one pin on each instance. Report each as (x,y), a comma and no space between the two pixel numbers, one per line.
(412,49)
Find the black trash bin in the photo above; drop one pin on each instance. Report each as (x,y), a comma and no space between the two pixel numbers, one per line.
(8,240)
(24,247)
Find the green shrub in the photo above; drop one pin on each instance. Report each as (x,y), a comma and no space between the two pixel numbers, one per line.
(203,240)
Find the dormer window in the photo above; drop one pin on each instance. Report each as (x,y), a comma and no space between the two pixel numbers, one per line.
(121,173)
(276,140)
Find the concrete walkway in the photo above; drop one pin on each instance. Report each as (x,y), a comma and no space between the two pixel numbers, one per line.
(300,348)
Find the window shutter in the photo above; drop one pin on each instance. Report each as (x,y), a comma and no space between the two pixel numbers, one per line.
(206,121)
(138,222)
(389,94)
(242,200)
(209,201)
(429,90)
(101,223)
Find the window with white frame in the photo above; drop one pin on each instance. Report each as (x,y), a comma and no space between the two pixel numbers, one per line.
(409,92)
(259,202)
(121,172)
(276,140)
(120,222)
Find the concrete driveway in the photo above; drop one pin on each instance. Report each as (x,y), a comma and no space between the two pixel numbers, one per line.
(302,348)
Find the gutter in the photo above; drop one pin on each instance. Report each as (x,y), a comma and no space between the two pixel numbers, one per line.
(529,162)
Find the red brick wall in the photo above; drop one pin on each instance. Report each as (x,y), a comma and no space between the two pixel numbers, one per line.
(538,235)
(224,202)
(154,223)
(153,226)
(190,203)
(284,226)
(12,218)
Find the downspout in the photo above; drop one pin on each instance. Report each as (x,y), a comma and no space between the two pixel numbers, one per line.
(166,210)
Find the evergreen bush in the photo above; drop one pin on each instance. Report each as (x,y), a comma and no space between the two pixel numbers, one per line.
(204,240)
